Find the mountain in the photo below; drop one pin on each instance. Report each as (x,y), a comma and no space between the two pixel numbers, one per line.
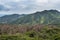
(10,18)
(43,17)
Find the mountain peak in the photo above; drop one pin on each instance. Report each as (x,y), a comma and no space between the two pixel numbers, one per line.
(50,10)
(45,11)
(53,10)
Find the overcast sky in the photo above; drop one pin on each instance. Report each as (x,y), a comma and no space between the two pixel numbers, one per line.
(27,6)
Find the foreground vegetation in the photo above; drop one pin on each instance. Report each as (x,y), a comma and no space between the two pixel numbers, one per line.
(27,32)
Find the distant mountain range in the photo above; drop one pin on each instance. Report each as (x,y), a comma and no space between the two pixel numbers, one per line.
(43,17)
(10,18)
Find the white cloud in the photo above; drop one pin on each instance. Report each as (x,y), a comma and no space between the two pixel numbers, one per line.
(41,1)
(17,0)
(28,6)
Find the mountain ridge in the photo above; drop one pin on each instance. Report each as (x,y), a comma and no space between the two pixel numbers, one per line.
(43,17)
(9,18)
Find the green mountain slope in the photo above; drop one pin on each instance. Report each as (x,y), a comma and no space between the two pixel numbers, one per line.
(9,18)
(44,17)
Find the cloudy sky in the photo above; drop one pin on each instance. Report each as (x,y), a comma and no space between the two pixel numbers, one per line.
(27,6)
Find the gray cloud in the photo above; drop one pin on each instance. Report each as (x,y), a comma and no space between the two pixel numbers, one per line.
(28,6)
(3,8)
